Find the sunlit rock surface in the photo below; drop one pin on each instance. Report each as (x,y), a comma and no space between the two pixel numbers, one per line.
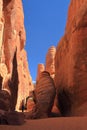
(13,58)
(40,69)
(71,61)
(50,61)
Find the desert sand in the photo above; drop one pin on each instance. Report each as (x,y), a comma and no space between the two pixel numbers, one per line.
(61,123)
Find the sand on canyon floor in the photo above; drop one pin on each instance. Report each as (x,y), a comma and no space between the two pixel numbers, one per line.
(61,123)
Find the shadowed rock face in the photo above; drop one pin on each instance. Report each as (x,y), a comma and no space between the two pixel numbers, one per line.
(5,100)
(1,82)
(13,83)
(11,118)
(71,58)
(30,104)
(65,101)
(12,39)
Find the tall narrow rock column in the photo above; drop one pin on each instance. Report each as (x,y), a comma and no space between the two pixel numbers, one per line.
(14,32)
(50,61)
(40,69)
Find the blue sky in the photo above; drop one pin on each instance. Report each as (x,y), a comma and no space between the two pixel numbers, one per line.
(45,22)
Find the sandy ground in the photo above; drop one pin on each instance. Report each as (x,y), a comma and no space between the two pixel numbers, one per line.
(70,123)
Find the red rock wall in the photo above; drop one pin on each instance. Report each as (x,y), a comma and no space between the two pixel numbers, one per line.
(12,39)
(14,32)
(25,79)
(71,57)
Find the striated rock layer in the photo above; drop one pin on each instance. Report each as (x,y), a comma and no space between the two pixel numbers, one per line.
(71,62)
(45,94)
(13,57)
(44,97)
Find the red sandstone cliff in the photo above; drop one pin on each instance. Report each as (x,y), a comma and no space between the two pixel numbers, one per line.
(71,61)
(13,57)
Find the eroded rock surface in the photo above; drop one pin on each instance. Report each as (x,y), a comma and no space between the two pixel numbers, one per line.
(40,69)
(71,60)
(50,61)
(5,100)
(44,97)
(12,40)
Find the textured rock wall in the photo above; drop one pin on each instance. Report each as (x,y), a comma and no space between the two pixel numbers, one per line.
(25,79)
(1,27)
(71,61)
(14,32)
(12,39)
(44,97)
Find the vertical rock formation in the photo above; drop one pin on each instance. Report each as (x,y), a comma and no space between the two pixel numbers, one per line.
(1,27)
(25,80)
(44,96)
(71,61)
(12,40)
(14,32)
(50,68)
(49,65)
(40,69)
(3,69)
(50,61)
